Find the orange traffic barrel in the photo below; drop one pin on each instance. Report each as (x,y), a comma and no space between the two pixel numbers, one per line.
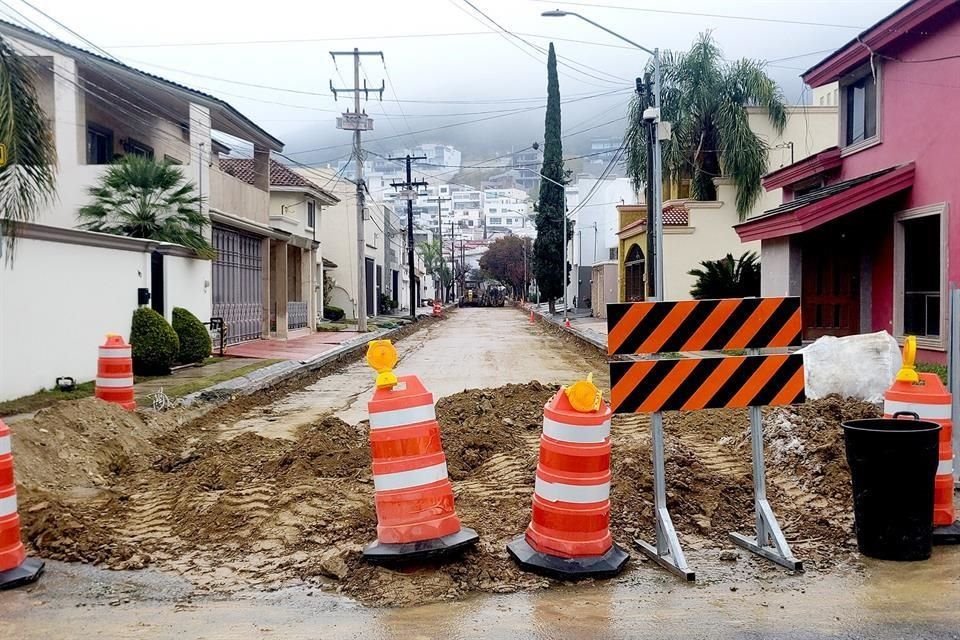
(569,532)
(930,400)
(115,373)
(437,309)
(414,498)
(15,567)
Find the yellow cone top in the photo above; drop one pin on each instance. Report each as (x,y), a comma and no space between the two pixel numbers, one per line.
(908,372)
(382,357)
(584,396)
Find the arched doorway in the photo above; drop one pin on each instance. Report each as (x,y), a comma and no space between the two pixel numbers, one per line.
(634,268)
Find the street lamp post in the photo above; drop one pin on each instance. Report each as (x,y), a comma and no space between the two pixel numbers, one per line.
(655,209)
(666,551)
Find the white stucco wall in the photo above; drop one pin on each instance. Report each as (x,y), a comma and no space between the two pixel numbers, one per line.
(187,284)
(709,236)
(52,321)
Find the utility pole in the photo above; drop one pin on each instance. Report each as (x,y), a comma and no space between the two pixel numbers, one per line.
(358,121)
(440,202)
(409,193)
(453,263)
(644,89)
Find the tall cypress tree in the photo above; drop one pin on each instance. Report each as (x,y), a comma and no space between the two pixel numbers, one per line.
(548,264)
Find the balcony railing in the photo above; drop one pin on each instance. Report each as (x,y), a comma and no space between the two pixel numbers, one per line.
(236,197)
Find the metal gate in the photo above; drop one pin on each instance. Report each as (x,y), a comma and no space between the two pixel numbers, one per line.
(237,284)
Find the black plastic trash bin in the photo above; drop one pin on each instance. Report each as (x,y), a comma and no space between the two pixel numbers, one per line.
(893,463)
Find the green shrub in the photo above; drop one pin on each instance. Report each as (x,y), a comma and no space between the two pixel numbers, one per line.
(195,344)
(155,343)
(333,313)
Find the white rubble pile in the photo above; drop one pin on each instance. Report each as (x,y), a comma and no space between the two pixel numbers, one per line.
(860,366)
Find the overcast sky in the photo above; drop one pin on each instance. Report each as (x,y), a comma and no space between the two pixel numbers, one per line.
(440,52)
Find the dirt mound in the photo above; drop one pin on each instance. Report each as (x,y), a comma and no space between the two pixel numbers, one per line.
(264,512)
(85,443)
(479,423)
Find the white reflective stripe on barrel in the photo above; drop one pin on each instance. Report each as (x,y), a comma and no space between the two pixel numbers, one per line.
(114,383)
(945,468)
(4,445)
(8,506)
(925,411)
(412,478)
(575,433)
(402,417)
(122,352)
(557,492)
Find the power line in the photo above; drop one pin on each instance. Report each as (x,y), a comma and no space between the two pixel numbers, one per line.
(698,14)
(562,61)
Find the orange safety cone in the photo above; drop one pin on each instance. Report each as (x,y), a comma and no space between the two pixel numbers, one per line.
(566,323)
(925,395)
(115,373)
(16,568)
(532,321)
(414,497)
(569,533)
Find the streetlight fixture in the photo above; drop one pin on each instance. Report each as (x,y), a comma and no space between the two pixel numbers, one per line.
(667,551)
(655,208)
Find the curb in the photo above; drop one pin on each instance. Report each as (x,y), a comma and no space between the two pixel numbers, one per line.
(281,372)
(583,337)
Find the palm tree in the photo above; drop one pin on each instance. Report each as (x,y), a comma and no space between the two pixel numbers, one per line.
(727,277)
(705,99)
(27,179)
(140,197)
(435,264)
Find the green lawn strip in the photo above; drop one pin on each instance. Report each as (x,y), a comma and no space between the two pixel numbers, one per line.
(45,398)
(198,384)
(939,369)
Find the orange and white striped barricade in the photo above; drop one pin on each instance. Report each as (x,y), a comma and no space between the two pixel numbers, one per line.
(924,395)
(643,385)
(16,568)
(414,497)
(569,532)
(437,309)
(115,373)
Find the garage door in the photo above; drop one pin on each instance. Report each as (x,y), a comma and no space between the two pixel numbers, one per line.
(237,284)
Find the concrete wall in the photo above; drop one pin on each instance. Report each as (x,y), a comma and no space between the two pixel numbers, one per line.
(230,195)
(782,267)
(52,321)
(187,284)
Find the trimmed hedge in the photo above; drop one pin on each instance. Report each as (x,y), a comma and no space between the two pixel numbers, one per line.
(155,343)
(195,344)
(333,313)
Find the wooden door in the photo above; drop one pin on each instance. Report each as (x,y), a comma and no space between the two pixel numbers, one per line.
(831,284)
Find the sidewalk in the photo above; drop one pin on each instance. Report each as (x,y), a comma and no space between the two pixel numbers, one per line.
(583,325)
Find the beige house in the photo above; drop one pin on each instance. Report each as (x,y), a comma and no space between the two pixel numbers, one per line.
(703,230)
(338,240)
(291,282)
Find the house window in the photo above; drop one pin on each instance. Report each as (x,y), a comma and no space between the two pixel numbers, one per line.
(921,276)
(495,221)
(137,148)
(311,214)
(171,160)
(860,109)
(99,145)
(920,265)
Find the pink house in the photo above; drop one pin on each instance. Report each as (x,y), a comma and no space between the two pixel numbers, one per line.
(866,229)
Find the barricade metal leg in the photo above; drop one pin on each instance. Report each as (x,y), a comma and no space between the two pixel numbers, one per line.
(667,552)
(769,541)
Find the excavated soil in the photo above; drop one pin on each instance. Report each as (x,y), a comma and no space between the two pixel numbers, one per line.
(124,490)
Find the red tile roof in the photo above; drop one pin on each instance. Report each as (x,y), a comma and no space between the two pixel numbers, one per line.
(280,175)
(676,215)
